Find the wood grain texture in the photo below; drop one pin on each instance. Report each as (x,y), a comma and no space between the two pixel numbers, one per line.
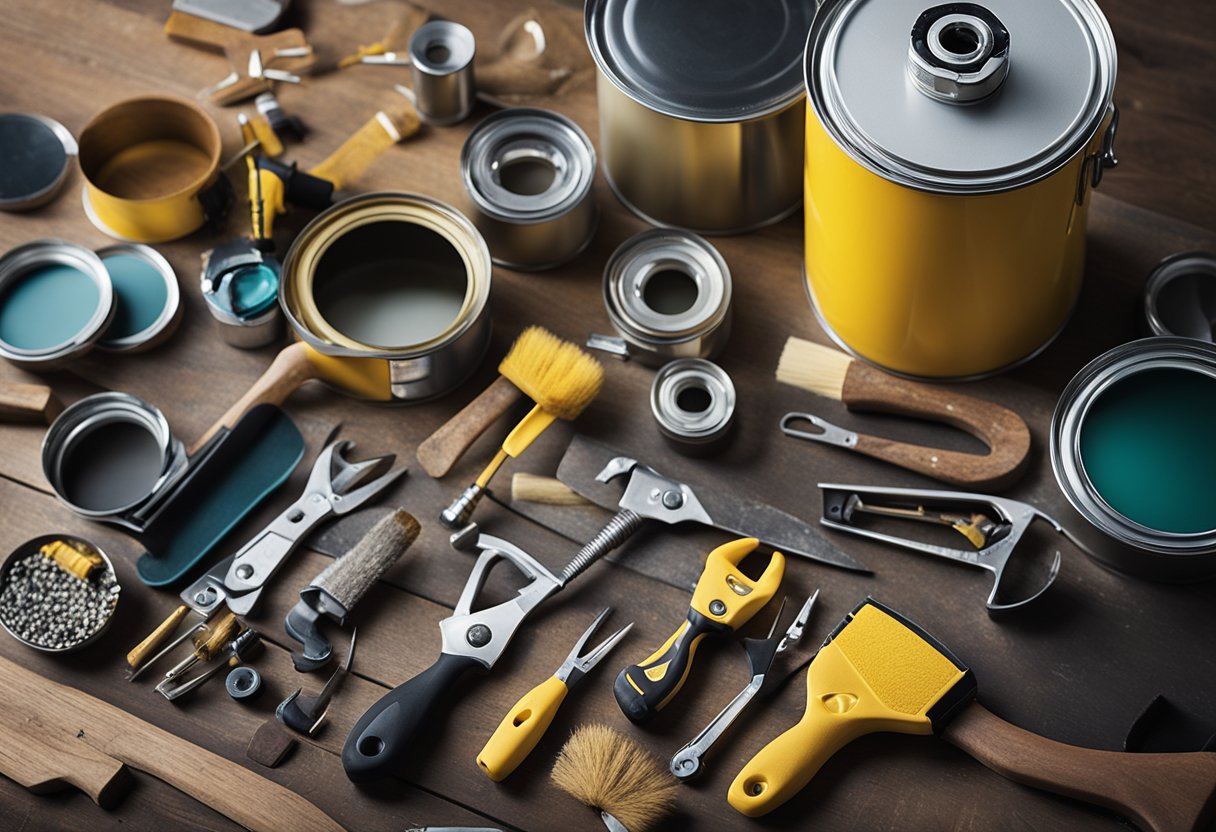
(1003,431)
(443,448)
(28,403)
(1097,649)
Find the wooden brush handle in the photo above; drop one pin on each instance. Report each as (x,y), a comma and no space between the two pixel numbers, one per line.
(443,448)
(1159,792)
(28,403)
(290,369)
(142,651)
(43,762)
(1003,431)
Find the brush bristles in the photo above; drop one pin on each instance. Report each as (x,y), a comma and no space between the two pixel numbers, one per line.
(610,772)
(813,367)
(555,374)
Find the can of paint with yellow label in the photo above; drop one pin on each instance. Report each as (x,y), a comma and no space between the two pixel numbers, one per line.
(950,153)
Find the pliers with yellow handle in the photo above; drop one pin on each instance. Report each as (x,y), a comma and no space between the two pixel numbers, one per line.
(524,725)
(724,600)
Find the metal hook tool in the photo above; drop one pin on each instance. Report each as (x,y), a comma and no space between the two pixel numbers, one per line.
(994,525)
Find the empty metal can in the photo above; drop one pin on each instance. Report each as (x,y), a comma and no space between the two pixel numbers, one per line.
(693,402)
(950,155)
(528,173)
(1180,296)
(701,108)
(441,57)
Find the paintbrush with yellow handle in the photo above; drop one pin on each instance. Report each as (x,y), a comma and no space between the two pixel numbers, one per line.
(830,373)
(557,375)
(878,671)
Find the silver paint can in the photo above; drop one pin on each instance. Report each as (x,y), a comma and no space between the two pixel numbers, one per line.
(1180,297)
(693,402)
(441,58)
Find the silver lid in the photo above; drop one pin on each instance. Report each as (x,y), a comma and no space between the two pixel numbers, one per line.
(163,324)
(35,153)
(527,165)
(872,99)
(693,401)
(702,60)
(1180,297)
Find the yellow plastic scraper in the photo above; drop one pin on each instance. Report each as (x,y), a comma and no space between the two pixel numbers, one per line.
(724,600)
(880,672)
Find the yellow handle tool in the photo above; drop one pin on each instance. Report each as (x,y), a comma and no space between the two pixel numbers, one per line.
(724,600)
(524,725)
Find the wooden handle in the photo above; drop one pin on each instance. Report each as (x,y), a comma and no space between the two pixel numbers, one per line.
(1003,431)
(287,372)
(443,448)
(28,403)
(530,488)
(140,652)
(1160,792)
(46,763)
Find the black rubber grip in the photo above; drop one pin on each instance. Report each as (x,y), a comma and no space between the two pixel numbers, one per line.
(642,697)
(382,743)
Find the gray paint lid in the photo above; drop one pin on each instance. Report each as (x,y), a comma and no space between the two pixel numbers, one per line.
(702,60)
(1059,86)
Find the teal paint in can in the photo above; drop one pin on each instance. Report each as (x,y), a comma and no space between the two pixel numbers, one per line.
(146,298)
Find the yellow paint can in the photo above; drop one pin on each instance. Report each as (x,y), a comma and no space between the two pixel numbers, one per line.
(950,153)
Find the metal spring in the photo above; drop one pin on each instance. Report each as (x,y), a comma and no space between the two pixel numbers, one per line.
(618,530)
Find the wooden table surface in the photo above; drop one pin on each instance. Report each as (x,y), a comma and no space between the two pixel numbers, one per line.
(1078,667)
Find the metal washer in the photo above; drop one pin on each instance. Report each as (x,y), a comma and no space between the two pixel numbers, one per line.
(689,427)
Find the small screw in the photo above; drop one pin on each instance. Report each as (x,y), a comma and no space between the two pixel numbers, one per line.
(717,607)
(244,571)
(672,499)
(478,635)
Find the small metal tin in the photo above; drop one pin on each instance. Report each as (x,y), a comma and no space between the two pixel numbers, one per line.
(32,546)
(441,57)
(528,173)
(1180,297)
(701,108)
(668,295)
(693,402)
(1122,543)
(110,456)
(56,302)
(147,298)
(240,283)
(243,683)
(35,155)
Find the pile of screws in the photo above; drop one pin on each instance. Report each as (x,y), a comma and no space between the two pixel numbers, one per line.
(47,607)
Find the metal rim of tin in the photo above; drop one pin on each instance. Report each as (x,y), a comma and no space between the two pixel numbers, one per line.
(34,199)
(752,99)
(1094,379)
(238,331)
(34,545)
(828,103)
(24,259)
(77,422)
(454,37)
(1187,264)
(694,427)
(295,288)
(643,256)
(164,325)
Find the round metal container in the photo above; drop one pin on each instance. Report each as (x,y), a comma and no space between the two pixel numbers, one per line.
(528,173)
(701,108)
(35,155)
(56,302)
(241,286)
(110,453)
(1123,543)
(948,174)
(668,294)
(441,58)
(1180,297)
(146,295)
(148,163)
(33,546)
(693,402)
(391,293)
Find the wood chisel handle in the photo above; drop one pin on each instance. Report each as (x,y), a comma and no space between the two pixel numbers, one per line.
(44,762)
(1002,430)
(1160,792)
(522,728)
(28,403)
(643,689)
(290,369)
(382,743)
(140,652)
(444,448)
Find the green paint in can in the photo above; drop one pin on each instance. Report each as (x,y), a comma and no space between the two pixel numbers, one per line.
(47,306)
(140,294)
(1149,449)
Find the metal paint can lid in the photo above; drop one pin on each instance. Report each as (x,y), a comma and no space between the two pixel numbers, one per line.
(961,97)
(693,402)
(56,301)
(527,165)
(146,295)
(35,152)
(1180,297)
(702,60)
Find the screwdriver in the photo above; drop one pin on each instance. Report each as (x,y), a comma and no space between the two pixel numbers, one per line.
(723,601)
(524,725)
